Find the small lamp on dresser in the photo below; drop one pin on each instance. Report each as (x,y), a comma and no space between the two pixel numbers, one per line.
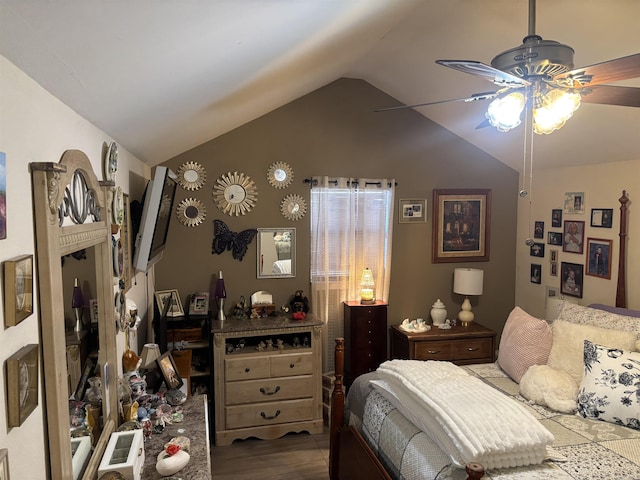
(366,288)
(467,281)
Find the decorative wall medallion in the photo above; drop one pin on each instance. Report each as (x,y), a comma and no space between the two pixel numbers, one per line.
(111,163)
(191,212)
(279,175)
(118,207)
(293,207)
(191,176)
(235,193)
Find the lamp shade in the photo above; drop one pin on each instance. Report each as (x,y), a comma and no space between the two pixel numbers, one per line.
(366,287)
(77,300)
(150,352)
(468,281)
(220,291)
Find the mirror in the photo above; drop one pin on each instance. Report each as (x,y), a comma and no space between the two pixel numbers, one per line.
(276,252)
(72,214)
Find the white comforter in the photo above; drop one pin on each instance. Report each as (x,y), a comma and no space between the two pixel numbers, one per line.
(467,419)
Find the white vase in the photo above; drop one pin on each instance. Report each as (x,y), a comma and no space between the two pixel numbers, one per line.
(438,312)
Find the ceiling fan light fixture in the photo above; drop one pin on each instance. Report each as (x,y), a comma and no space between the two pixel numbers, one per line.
(556,108)
(504,112)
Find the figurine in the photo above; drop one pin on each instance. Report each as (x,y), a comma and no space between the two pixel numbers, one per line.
(240,310)
(261,346)
(280,344)
(270,344)
(299,303)
(296,342)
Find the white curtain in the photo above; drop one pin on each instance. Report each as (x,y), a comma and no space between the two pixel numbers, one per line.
(351,229)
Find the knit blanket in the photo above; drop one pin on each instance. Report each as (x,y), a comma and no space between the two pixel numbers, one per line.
(466,418)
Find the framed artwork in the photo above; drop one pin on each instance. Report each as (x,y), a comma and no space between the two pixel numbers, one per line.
(174,308)
(22,384)
(553,270)
(554,238)
(125,236)
(4,464)
(574,202)
(412,210)
(3,196)
(537,250)
(556,217)
(167,367)
(18,289)
(552,292)
(536,273)
(538,231)
(602,217)
(599,257)
(571,281)
(553,255)
(199,303)
(573,236)
(461,226)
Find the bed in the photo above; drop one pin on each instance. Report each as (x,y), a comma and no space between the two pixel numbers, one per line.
(372,439)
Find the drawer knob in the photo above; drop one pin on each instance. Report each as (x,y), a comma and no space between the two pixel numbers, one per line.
(292,365)
(264,392)
(264,415)
(247,370)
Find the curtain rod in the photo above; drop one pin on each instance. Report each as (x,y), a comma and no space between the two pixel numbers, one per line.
(355,183)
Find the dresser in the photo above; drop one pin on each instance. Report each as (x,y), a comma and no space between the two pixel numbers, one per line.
(267,377)
(365,338)
(462,344)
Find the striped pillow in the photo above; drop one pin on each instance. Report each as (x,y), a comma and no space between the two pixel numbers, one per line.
(525,341)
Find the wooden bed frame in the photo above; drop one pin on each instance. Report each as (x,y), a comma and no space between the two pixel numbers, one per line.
(350,456)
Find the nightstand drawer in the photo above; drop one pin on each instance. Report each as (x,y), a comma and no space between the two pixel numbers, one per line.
(267,390)
(433,351)
(471,348)
(269,413)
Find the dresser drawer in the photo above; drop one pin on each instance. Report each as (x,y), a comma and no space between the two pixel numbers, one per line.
(271,413)
(246,368)
(433,351)
(275,389)
(471,348)
(291,364)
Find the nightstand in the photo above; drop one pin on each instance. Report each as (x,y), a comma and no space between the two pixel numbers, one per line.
(461,344)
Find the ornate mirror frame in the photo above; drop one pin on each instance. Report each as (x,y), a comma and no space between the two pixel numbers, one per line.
(72,211)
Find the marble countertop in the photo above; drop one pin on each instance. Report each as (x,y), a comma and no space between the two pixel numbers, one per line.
(235,324)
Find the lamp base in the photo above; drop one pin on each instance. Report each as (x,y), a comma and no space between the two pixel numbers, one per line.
(368,302)
(465,315)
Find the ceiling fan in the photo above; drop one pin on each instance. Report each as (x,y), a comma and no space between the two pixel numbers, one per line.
(539,76)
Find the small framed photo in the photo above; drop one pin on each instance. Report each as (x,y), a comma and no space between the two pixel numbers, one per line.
(22,384)
(93,310)
(599,255)
(536,273)
(199,303)
(167,367)
(537,250)
(538,230)
(574,202)
(552,292)
(602,217)
(553,270)
(573,236)
(556,217)
(553,255)
(571,281)
(554,238)
(174,307)
(18,289)
(412,210)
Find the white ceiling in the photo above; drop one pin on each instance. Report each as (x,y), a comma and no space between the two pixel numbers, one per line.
(163,76)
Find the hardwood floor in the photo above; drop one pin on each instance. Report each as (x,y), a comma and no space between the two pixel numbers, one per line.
(298,456)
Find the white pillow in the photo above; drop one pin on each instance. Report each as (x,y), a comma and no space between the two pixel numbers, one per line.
(610,386)
(550,387)
(568,345)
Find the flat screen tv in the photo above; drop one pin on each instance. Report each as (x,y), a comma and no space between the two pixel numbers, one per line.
(151,237)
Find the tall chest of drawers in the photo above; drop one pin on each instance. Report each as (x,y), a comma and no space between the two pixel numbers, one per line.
(268,377)
(365,338)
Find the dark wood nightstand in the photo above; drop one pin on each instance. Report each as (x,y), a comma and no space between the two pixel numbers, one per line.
(461,344)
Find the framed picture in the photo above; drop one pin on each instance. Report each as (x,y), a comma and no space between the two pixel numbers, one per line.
(536,273)
(599,257)
(4,464)
(461,225)
(537,250)
(553,255)
(174,308)
(574,202)
(167,367)
(554,238)
(93,310)
(18,289)
(411,210)
(538,230)
(22,384)
(553,270)
(552,292)
(125,236)
(573,236)
(199,303)
(556,217)
(602,217)
(571,280)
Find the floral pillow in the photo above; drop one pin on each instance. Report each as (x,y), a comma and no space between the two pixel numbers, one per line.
(610,388)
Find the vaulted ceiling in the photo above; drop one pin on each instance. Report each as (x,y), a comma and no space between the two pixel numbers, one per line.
(163,76)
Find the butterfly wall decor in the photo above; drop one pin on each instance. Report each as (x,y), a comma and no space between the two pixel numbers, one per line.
(225,239)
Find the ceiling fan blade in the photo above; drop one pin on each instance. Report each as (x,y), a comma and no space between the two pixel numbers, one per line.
(611,95)
(473,98)
(606,72)
(485,123)
(487,72)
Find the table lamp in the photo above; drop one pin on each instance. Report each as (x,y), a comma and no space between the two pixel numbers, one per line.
(77,303)
(150,352)
(220,294)
(467,281)
(366,288)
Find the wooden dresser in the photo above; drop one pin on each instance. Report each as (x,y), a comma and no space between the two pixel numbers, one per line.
(365,338)
(262,389)
(461,344)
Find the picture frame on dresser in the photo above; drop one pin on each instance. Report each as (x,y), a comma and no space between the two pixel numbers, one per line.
(412,210)
(174,308)
(169,370)
(461,225)
(18,289)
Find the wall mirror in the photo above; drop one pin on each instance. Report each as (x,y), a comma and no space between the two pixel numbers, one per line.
(276,252)
(72,212)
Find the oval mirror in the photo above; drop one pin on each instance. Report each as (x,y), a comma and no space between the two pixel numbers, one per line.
(276,252)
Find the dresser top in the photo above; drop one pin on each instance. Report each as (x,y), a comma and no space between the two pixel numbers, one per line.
(234,324)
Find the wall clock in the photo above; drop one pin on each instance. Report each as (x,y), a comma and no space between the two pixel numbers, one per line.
(293,207)
(191,176)
(279,175)
(191,212)
(235,193)
(111,162)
